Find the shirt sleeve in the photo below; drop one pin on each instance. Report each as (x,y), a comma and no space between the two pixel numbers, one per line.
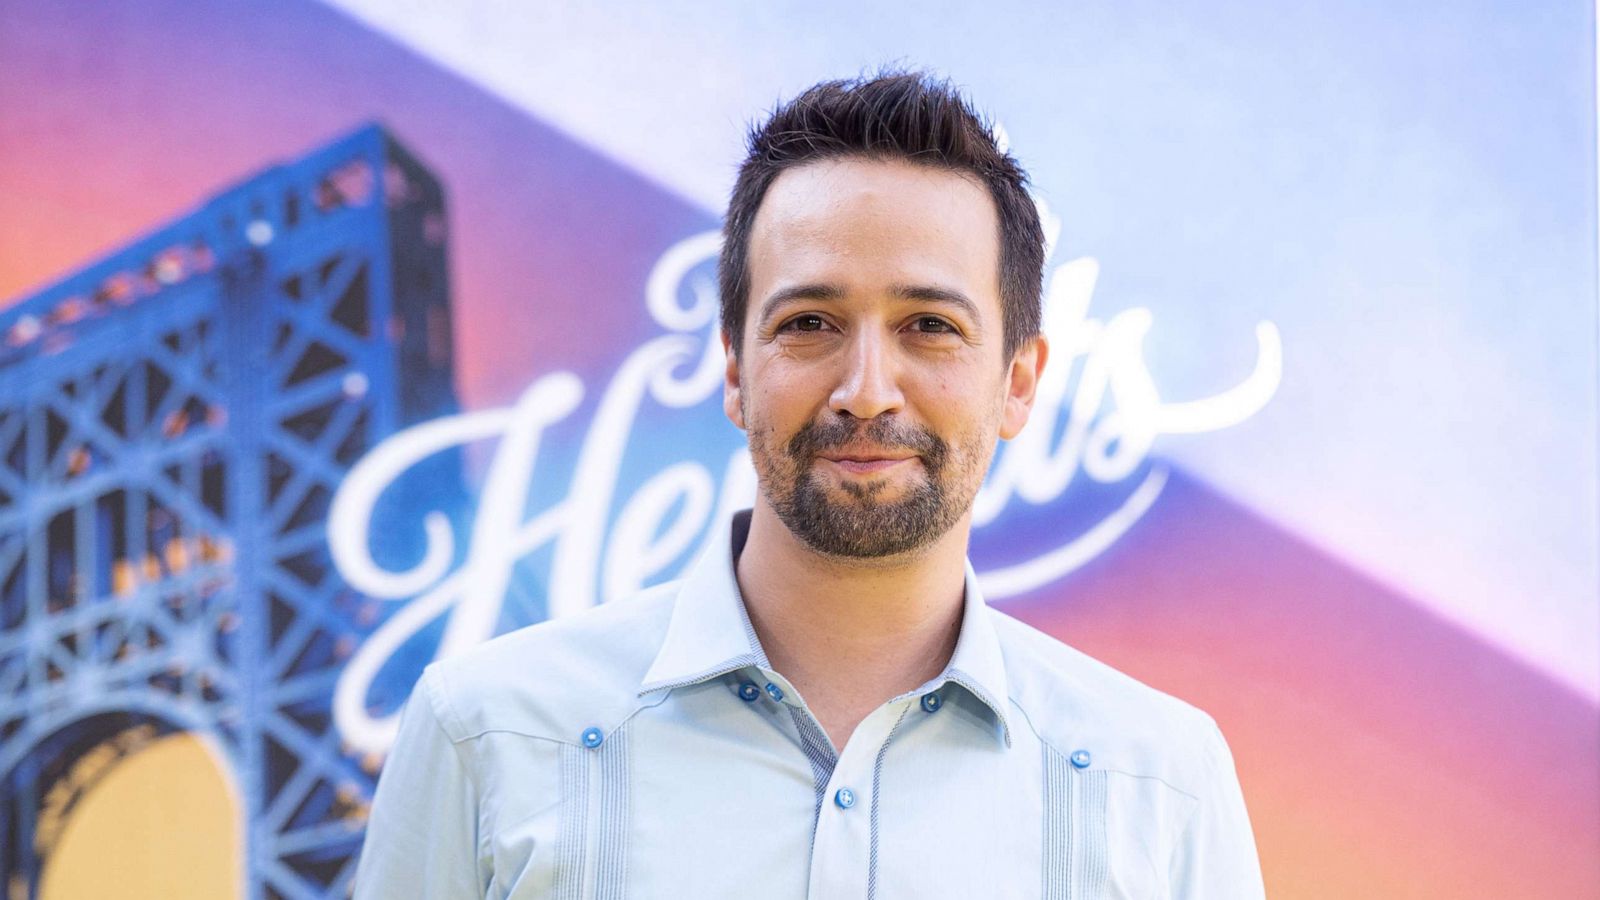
(1215,858)
(422,835)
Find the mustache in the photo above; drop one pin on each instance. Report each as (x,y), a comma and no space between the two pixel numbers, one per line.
(885,432)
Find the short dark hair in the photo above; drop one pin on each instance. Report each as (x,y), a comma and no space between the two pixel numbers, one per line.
(893,115)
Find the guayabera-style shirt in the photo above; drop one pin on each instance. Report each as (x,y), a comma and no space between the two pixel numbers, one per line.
(646,749)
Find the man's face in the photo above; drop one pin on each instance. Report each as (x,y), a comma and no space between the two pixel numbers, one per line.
(872,383)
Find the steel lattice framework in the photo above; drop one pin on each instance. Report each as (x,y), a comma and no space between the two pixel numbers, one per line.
(174,420)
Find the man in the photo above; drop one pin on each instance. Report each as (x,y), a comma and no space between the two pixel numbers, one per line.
(825,707)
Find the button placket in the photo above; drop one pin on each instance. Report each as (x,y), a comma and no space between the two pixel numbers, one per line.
(841,850)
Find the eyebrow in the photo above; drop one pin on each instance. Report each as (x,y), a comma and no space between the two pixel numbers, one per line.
(833,293)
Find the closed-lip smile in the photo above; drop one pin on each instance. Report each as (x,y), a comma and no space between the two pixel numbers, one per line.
(867,461)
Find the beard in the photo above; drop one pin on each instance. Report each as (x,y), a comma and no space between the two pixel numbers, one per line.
(860,525)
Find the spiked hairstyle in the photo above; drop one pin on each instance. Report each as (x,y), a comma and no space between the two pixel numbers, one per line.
(893,116)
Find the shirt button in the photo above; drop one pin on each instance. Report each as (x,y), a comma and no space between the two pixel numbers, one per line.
(748,691)
(931,702)
(1080,758)
(845,798)
(592,737)
(775,692)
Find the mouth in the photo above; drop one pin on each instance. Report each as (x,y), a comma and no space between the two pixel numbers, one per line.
(868,462)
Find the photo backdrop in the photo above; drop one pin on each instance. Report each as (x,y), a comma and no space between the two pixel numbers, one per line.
(338,336)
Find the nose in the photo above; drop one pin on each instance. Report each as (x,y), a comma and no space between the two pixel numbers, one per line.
(868,383)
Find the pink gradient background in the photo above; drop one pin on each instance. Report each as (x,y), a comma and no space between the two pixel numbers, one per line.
(1383,752)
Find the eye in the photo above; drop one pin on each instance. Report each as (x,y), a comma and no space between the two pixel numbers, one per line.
(809,322)
(933,325)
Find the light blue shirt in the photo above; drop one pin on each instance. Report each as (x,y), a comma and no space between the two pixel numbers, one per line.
(646,749)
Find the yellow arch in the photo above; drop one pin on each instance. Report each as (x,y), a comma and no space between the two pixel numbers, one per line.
(162,823)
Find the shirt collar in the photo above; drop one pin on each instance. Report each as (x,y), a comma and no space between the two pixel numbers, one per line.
(709,633)
(978,663)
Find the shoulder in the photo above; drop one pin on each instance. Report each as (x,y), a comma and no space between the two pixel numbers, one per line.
(1073,701)
(554,679)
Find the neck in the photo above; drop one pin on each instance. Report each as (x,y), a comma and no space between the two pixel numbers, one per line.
(851,634)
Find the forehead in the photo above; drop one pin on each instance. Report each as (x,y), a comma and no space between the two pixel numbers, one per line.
(866,224)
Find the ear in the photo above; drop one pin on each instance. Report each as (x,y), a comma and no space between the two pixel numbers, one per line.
(730,385)
(1022,382)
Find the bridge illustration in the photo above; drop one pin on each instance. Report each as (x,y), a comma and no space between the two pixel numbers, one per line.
(174,420)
